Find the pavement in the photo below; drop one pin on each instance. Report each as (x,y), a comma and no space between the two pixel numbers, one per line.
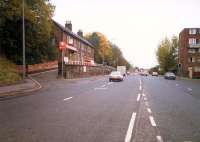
(18,89)
(139,109)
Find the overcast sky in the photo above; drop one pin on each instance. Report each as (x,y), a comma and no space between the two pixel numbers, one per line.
(136,26)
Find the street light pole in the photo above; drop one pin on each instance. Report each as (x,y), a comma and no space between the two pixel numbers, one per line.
(23,42)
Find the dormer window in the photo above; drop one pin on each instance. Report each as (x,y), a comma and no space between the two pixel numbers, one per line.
(192,31)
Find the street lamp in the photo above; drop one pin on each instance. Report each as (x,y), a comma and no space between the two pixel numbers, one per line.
(23,42)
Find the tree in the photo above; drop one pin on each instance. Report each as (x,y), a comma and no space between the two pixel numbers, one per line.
(38,30)
(166,54)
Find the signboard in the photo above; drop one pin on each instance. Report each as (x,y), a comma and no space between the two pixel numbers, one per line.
(84,69)
(66,60)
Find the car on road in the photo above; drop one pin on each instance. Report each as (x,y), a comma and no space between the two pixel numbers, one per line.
(116,76)
(154,73)
(170,76)
(144,73)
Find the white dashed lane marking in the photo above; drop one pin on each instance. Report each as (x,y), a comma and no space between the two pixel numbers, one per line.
(66,99)
(138,97)
(149,110)
(159,139)
(130,128)
(189,89)
(100,88)
(153,123)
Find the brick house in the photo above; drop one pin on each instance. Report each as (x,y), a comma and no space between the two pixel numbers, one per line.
(78,50)
(189,52)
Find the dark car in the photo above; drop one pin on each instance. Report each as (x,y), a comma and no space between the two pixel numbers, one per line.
(170,76)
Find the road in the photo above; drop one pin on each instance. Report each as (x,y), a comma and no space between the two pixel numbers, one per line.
(139,109)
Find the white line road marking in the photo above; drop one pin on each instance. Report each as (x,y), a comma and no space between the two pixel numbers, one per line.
(138,97)
(149,110)
(189,89)
(143,95)
(109,83)
(159,139)
(103,86)
(153,123)
(145,98)
(66,99)
(100,88)
(130,128)
(147,104)
(140,88)
(177,84)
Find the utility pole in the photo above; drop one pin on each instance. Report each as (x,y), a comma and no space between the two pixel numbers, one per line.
(23,42)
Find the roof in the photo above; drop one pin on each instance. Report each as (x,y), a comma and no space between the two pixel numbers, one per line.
(72,34)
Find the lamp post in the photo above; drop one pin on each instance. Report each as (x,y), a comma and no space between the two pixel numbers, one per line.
(23,42)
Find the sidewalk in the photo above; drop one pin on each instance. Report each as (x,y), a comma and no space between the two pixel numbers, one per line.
(28,85)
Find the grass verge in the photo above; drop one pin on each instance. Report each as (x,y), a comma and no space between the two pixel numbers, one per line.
(8,72)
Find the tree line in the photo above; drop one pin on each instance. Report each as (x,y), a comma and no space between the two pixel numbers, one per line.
(38,30)
(106,52)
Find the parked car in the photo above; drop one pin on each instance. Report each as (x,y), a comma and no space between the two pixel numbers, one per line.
(170,75)
(154,73)
(116,76)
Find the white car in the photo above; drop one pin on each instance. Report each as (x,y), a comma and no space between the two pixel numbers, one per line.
(155,74)
(116,76)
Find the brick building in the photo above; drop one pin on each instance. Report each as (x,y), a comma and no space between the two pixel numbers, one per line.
(189,52)
(78,50)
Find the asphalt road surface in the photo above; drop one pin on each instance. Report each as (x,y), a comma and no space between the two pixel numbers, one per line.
(139,109)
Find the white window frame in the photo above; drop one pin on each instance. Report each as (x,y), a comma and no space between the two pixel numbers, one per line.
(192,51)
(192,41)
(70,40)
(192,31)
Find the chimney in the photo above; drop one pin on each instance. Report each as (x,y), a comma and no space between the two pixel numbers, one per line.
(68,25)
(80,33)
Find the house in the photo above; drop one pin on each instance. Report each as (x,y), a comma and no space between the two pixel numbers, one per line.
(78,51)
(189,52)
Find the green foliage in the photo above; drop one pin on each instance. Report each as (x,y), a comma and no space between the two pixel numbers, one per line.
(8,73)
(105,51)
(166,54)
(38,30)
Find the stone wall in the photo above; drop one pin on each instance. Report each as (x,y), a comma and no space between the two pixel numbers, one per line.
(78,71)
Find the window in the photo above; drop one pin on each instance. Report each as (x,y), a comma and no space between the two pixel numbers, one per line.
(192,31)
(70,40)
(191,60)
(198,60)
(192,41)
(196,69)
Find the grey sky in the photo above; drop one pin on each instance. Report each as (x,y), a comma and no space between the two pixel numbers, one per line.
(136,26)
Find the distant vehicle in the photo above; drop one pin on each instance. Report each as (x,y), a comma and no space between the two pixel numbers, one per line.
(144,73)
(170,76)
(154,73)
(116,76)
(122,70)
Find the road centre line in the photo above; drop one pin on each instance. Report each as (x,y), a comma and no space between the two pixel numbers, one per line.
(177,84)
(103,85)
(189,89)
(159,139)
(143,95)
(153,123)
(147,104)
(100,88)
(140,88)
(66,99)
(149,110)
(145,98)
(130,128)
(138,97)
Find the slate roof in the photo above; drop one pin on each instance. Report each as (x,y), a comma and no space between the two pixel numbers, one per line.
(72,34)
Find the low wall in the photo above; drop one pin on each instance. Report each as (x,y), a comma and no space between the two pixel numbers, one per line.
(78,71)
(38,67)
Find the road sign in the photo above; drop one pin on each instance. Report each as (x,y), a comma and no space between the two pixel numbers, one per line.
(62,45)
